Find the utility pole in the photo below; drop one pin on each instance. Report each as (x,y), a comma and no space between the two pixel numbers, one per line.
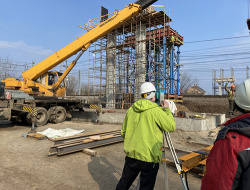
(79,92)
(221,80)
(247,72)
(61,67)
(232,72)
(26,67)
(221,84)
(214,81)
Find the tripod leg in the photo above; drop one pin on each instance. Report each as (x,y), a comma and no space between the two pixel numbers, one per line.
(177,164)
(165,164)
(138,184)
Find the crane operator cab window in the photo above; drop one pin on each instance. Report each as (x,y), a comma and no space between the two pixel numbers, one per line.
(51,80)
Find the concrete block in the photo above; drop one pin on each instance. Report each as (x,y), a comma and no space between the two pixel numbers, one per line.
(116,118)
(199,124)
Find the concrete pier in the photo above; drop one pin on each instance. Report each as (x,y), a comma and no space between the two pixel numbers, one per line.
(111,72)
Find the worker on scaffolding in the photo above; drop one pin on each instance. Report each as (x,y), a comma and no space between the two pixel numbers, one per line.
(171,40)
(231,93)
(142,131)
(228,164)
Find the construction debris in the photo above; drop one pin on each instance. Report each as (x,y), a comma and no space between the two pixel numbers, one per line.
(84,141)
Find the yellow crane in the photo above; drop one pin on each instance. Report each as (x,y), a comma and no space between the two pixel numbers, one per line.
(36,80)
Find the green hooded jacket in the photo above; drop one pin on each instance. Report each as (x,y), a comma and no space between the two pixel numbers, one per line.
(142,130)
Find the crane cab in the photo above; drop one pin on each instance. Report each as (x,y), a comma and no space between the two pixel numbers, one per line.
(49,79)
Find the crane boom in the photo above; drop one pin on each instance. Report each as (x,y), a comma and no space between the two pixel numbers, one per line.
(83,42)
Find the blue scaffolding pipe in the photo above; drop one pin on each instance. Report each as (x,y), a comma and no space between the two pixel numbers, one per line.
(172,70)
(167,76)
(156,69)
(178,70)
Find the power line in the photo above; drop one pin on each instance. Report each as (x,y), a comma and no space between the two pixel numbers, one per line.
(229,38)
(215,47)
(213,61)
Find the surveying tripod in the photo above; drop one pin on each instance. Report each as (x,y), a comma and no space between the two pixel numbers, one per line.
(168,140)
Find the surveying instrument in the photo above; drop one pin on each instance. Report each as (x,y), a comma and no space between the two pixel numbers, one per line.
(167,139)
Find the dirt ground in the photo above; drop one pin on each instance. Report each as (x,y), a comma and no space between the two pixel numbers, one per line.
(206,105)
(25,164)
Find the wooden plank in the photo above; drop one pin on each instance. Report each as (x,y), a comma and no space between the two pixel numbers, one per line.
(89,151)
(85,135)
(67,140)
(31,135)
(189,161)
(204,168)
(194,159)
(40,137)
(36,136)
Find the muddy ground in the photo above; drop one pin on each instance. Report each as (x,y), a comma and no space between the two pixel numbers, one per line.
(25,164)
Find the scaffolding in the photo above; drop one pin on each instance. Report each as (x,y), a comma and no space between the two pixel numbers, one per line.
(136,52)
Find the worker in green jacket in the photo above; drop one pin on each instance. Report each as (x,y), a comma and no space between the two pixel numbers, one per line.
(142,131)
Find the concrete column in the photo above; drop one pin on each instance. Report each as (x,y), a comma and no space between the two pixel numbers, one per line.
(110,72)
(140,55)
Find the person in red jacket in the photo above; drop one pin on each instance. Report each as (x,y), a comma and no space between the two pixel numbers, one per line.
(228,164)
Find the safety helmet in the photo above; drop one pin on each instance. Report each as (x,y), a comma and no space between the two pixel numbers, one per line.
(147,90)
(242,95)
(232,86)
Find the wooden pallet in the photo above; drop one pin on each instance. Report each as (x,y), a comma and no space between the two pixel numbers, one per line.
(174,97)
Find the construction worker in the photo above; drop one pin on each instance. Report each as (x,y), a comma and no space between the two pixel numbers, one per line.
(231,93)
(142,131)
(228,164)
(52,80)
(171,40)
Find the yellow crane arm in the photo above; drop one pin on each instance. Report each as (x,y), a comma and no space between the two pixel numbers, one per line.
(83,42)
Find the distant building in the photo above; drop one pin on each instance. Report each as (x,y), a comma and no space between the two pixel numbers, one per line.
(195,90)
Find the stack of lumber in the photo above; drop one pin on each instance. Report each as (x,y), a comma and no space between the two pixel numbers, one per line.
(80,142)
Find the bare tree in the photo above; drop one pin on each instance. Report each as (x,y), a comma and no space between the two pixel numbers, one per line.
(72,84)
(186,82)
(7,69)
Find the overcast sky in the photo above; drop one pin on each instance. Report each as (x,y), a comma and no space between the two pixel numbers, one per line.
(215,32)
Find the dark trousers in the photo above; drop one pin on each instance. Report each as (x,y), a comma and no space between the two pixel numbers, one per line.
(131,169)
